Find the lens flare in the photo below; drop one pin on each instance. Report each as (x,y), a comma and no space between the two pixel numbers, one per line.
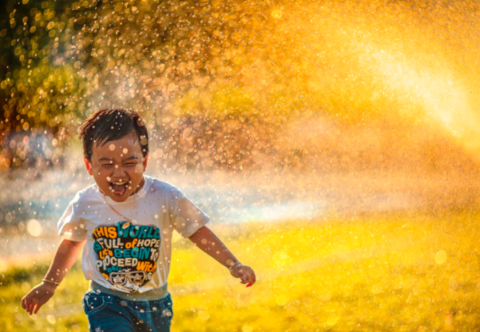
(34,228)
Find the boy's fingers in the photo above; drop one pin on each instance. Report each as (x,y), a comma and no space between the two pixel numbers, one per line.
(251,278)
(248,278)
(242,275)
(252,281)
(37,307)
(246,275)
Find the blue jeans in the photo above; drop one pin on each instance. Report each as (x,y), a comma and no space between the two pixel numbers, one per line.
(110,313)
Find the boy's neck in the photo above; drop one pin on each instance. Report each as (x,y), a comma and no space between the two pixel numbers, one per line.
(142,183)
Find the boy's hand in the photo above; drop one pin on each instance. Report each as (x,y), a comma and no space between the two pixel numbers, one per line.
(244,272)
(37,297)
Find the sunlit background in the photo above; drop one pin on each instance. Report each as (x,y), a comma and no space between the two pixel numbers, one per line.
(334,143)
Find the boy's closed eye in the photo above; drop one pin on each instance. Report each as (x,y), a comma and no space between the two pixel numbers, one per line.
(129,164)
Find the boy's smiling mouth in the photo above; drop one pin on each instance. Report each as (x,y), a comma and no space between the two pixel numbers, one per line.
(119,187)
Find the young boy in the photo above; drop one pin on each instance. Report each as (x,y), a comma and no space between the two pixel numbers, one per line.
(126,220)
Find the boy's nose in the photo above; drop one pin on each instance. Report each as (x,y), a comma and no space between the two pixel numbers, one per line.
(118,171)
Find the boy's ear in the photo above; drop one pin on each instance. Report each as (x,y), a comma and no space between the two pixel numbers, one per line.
(145,162)
(88,165)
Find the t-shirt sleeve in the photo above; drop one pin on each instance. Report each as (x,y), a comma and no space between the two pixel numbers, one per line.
(70,226)
(187,218)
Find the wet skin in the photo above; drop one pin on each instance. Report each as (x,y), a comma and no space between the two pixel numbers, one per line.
(118,161)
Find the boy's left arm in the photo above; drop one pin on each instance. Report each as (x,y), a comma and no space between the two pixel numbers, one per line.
(206,240)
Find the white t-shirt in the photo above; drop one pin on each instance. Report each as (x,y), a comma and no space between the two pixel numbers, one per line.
(135,259)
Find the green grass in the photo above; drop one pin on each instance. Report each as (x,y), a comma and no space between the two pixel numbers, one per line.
(382,273)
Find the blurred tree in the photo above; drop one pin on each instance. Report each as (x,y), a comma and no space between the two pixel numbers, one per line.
(61,60)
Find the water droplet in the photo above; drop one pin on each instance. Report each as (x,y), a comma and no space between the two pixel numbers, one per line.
(276,13)
(34,228)
(440,257)
(51,319)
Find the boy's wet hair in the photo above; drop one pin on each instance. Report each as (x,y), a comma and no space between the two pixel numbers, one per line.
(107,125)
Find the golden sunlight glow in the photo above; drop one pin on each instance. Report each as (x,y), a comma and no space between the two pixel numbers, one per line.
(440,96)
(335,143)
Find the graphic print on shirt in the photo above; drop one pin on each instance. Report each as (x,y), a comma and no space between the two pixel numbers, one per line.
(127,258)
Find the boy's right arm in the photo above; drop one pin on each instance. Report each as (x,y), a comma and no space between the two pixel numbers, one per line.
(63,261)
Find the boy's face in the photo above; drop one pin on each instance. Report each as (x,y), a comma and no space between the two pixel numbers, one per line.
(118,167)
